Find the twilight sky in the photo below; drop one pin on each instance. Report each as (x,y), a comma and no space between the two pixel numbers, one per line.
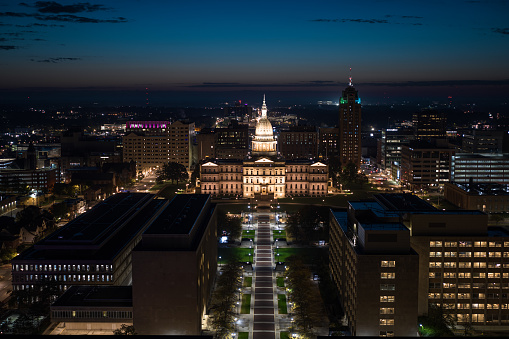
(270,45)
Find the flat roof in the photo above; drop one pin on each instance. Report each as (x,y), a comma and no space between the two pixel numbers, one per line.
(497,232)
(375,207)
(403,202)
(483,189)
(483,156)
(180,215)
(100,221)
(384,227)
(63,251)
(96,296)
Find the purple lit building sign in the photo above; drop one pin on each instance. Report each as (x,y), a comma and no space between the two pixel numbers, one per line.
(147,124)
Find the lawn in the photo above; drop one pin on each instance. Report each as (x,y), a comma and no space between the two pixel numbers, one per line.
(243,335)
(248,281)
(279,234)
(170,190)
(283,335)
(249,234)
(309,254)
(281,303)
(245,308)
(280,282)
(241,253)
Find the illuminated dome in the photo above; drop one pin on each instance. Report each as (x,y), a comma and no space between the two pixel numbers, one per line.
(263,143)
(264,128)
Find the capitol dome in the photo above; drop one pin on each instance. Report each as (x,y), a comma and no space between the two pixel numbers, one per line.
(264,128)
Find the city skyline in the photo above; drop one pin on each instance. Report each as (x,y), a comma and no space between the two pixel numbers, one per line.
(456,48)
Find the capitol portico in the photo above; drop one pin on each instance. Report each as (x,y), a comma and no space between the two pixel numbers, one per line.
(264,173)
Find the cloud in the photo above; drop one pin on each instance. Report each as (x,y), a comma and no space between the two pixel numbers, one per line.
(62,17)
(404,16)
(55,60)
(36,24)
(368,21)
(78,19)
(56,8)
(8,47)
(504,31)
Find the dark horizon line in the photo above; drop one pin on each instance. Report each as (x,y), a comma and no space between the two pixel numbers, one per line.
(256,86)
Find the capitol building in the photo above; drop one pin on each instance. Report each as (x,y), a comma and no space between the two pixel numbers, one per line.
(264,173)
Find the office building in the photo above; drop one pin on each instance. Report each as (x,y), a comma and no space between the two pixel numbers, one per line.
(375,271)
(151,144)
(463,263)
(424,164)
(390,146)
(480,168)
(93,249)
(328,142)
(429,124)
(171,257)
(489,198)
(174,268)
(299,142)
(485,141)
(94,309)
(349,138)
(232,142)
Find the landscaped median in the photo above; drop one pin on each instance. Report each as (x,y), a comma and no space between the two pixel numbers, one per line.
(245,308)
(281,304)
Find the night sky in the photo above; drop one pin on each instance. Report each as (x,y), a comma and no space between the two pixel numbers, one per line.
(254,45)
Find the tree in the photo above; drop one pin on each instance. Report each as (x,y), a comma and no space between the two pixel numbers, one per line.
(60,210)
(437,323)
(307,310)
(229,224)
(335,171)
(224,298)
(125,330)
(173,171)
(309,224)
(196,174)
(28,215)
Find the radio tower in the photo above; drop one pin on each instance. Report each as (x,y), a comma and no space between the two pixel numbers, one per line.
(146,98)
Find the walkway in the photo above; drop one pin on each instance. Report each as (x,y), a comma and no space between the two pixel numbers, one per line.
(265,293)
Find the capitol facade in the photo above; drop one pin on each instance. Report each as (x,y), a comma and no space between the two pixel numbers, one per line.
(264,173)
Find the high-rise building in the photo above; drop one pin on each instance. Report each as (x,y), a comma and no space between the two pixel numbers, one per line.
(429,124)
(391,145)
(153,143)
(375,271)
(350,126)
(328,142)
(299,142)
(462,262)
(424,164)
(485,141)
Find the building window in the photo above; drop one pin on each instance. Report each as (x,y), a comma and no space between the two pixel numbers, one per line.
(385,263)
(387,310)
(386,298)
(387,275)
(386,322)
